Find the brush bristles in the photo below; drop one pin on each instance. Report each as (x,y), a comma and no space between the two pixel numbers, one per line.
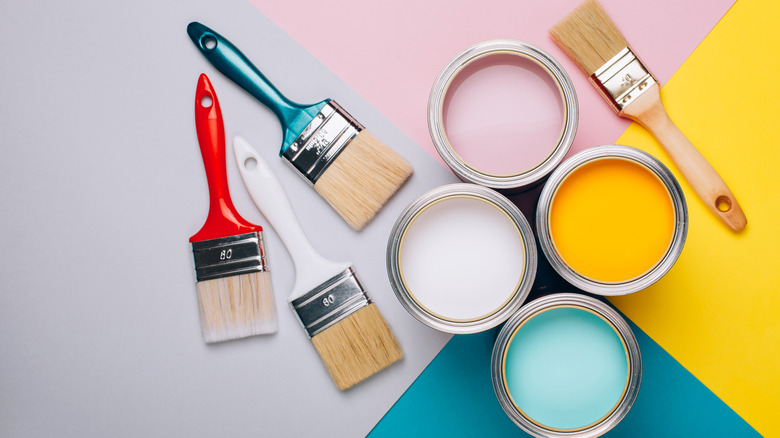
(357,347)
(588,36)
(236,307)
(362,178)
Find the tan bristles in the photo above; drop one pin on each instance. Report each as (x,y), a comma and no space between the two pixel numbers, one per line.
(588,36)
(236,307)
(357,347)
(362,178)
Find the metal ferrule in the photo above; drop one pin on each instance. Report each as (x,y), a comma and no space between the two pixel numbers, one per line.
(622,79)
(228,256)
(330,302)
(322,141)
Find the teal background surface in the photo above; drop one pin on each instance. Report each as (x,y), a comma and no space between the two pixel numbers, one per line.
(454,397)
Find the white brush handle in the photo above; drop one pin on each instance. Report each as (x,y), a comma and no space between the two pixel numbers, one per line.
(311,269)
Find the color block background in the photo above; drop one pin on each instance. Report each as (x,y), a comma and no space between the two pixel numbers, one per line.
(715,312)
(454,398)
(391,52)
(102,185)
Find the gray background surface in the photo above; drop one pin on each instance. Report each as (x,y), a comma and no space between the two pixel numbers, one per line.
(102,184)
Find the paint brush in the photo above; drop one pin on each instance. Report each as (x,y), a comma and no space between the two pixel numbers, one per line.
(346,328)
(349,167)
(234,289)
(593,41)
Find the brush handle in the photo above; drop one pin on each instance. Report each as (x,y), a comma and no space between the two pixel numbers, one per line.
(649,111)
(232,63)
(226,57)
(268,194)
(223,219)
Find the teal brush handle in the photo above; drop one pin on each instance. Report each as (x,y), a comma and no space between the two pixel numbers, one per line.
(223,55)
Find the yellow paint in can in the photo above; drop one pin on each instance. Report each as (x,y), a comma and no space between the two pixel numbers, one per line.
(612,220)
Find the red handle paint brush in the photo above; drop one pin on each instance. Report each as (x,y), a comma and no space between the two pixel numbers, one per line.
(234,288)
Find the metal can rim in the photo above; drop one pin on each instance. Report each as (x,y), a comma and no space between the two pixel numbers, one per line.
(436,104)
(574,300)
(678,202)
(406,218)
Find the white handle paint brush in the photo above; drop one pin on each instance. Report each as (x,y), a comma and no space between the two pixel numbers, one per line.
(593,41)
(346,328)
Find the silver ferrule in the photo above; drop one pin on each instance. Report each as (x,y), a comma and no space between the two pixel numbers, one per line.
(330,302)
(228,256)
(622,79)
(321,141)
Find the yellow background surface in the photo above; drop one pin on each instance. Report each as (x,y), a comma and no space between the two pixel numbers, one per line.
(718,310)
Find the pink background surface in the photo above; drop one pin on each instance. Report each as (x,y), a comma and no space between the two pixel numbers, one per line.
(391,52)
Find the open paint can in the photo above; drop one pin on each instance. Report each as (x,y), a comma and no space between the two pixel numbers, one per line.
(566,365)
(502,114)
(461,258)
(612,220)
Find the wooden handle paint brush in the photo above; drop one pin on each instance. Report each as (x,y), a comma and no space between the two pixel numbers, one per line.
(345,327)
(349,167)
(593,41)
(234,290)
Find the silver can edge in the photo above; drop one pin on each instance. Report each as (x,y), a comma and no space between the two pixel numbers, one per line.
(405,219)
(575,300)
(678,238)
(439,91)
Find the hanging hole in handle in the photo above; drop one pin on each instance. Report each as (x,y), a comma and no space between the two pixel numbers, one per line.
(250,163)
(206,101)
(208,42)
(723,204)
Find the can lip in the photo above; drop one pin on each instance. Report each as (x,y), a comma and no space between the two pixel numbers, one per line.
(573,300)
(629,286)
(405,296)
(439,93)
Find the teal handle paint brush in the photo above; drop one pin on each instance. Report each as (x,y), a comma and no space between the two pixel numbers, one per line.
(349,167)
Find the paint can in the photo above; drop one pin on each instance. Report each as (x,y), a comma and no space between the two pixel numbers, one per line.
(612,220)
(461,258)
(566,365)
(539,166)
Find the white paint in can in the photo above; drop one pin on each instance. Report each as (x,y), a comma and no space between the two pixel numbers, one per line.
(462,258)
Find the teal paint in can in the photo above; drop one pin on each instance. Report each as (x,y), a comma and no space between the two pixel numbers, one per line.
(566,365)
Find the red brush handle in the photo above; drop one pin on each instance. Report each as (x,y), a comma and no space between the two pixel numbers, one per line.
(223,219)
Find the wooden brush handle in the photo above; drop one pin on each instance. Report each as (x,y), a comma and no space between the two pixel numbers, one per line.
(649,111)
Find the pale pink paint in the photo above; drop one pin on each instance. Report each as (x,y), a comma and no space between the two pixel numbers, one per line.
(391,52)
(503,114)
